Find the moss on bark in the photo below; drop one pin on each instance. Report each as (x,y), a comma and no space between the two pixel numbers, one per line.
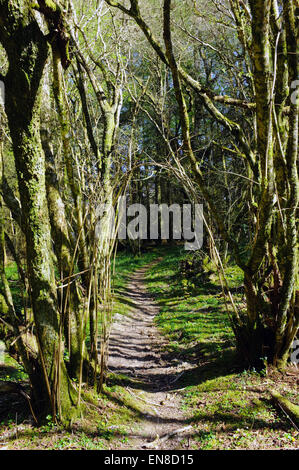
(27,51)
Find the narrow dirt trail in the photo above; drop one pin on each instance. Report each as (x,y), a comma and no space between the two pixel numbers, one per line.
(136,350)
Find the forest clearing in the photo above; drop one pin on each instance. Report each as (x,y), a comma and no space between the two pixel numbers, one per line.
(149,293)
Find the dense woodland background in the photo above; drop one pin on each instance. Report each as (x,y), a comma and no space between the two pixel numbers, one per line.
(163,102)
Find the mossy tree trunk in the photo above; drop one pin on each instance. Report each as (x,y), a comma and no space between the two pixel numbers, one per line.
(109,98)
(270,268)
(69,298)
(288,311)
(27,52)
(73,311)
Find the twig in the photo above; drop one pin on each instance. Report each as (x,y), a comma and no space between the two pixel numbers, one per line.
(167,436)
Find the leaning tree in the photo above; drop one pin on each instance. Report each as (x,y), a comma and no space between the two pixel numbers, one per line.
(268,35)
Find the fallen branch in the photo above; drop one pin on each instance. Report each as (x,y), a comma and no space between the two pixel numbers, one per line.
(291,410)
(167,436)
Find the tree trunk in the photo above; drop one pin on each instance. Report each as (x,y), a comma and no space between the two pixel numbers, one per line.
(27,52)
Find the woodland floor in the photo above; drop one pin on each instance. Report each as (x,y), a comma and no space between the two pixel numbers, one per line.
(173,381)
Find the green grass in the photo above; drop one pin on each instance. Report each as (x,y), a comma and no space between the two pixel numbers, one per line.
(11,370)
(125,264)
(116,410)
(235,411)
(11,272)
(191,312)
(228,408)
(114,414)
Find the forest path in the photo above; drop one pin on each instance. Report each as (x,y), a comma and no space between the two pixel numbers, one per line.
(137,349)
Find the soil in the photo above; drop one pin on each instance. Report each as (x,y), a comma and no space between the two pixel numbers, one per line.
(137,349)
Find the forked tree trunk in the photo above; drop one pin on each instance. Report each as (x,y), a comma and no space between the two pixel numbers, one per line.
(27,52)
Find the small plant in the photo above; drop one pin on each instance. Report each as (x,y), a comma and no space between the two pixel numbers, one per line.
(206,439)
(49,426)
(264,371)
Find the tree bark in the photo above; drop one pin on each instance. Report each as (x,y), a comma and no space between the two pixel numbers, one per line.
(27,51)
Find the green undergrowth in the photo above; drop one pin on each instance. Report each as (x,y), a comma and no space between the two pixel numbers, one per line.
(9,368)
(229,408)
(235,411)
(111,416)
(192,311)
(15,285)
(108,422)
(125,264)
